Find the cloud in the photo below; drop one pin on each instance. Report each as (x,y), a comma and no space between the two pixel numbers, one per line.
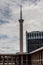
(23,2)
(3,36)
(6,11)
(5,14)
(33,1)
(3,21)
(9,45)
(30,2)
(15,38)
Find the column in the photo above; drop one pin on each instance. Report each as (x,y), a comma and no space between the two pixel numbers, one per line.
(16,60)
(26,59)
(31,35)
(41,57)
(7,60)
(21,59)
(3,60)
(12,59)
(41,35)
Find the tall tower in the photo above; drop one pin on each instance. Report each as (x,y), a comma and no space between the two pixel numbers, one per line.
(21,30)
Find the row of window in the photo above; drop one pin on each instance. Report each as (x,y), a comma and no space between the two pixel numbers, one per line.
(7,58)
(10,61)
(35,35)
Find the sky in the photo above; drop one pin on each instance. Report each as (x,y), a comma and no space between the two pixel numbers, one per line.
(32,12)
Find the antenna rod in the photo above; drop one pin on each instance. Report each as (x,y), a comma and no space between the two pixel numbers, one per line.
(20,11)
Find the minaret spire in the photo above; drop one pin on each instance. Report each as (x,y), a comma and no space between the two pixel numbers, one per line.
(21,29)
(20,11)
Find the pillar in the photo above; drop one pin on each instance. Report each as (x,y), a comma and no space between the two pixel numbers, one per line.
(26,59)
(7,60)
(21,59)
(3,60)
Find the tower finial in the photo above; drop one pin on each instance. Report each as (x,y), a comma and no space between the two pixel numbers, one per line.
(20,11)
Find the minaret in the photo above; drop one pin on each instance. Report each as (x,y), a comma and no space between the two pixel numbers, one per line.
(21,30)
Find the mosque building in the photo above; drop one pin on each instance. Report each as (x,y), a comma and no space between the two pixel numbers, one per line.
(34,46)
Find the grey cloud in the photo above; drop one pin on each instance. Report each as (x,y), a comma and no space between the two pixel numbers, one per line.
(3,21)
(7,12)
(19,2)
(15,38)
(30,2)
(16,2)
(3,36)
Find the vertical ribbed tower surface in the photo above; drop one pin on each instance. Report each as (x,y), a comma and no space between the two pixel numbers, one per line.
(21,30)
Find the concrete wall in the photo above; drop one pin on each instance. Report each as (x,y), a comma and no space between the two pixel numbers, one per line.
(37,58)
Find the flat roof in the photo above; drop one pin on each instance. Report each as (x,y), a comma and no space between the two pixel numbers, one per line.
(39,49)
(18,53)
(23,53)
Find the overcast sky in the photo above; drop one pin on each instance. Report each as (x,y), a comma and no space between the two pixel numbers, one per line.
(9,24)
